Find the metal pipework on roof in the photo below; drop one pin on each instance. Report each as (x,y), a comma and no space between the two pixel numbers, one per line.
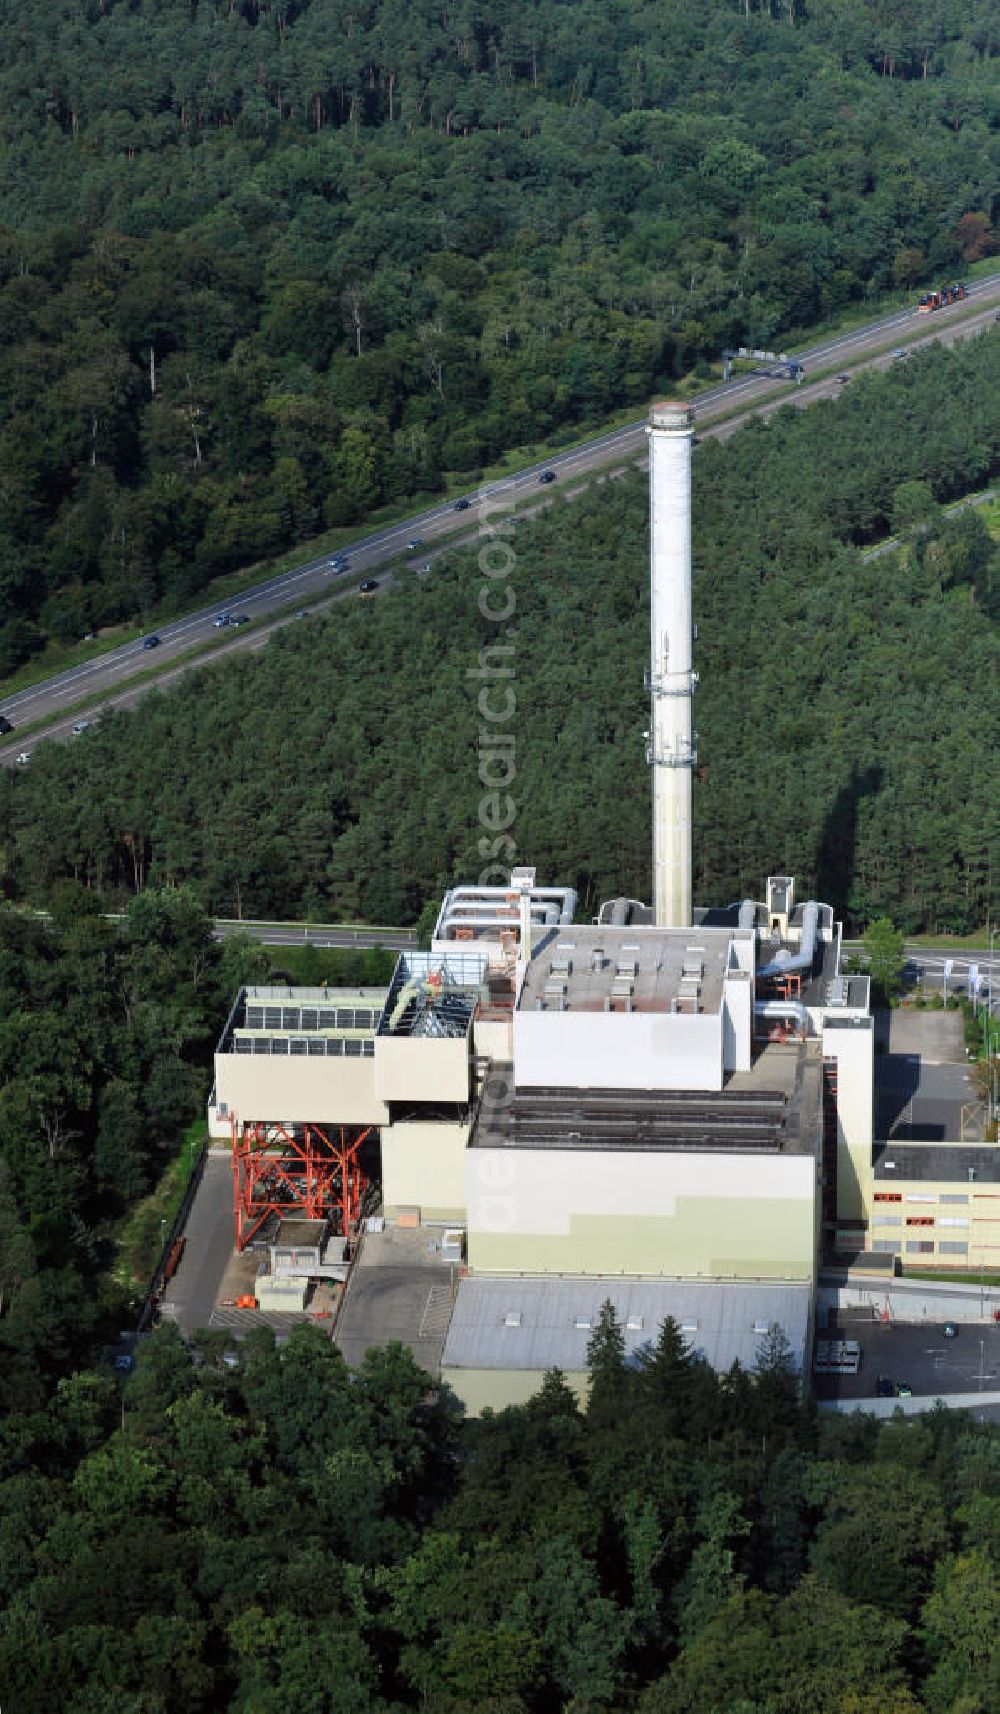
(499,908)
(783,1009)
(785,963)
(561,895)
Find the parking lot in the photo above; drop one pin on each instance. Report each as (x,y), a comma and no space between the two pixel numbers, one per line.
(915,1355)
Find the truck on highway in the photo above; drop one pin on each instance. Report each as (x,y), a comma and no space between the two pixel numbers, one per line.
(943,295)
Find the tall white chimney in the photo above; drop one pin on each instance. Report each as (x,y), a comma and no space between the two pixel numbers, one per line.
(671,679)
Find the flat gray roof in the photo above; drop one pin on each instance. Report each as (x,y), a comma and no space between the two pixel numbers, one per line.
(948,1163)
(524,1323)
(586,969)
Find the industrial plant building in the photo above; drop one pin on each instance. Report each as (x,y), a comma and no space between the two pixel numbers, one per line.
(668,1106)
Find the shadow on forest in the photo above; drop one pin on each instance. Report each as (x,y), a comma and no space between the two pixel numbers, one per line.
(838,841)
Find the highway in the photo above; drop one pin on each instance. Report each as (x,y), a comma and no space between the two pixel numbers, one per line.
(53,706)
(349,935)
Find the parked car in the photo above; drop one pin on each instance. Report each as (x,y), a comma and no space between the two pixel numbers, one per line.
(843,379)
(463,505)
(546,477)
(885,1387)
(152,642)
(23,758)
(417,542)
(5,724)
(899,355)
(950,1330)
(368,587)
(80,726)
(904,1390)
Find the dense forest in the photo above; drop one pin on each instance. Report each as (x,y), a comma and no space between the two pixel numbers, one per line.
(265,264)
(106,1035)
(267,1533)
(847,711)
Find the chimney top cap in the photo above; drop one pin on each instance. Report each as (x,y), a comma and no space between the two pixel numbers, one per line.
(672,414)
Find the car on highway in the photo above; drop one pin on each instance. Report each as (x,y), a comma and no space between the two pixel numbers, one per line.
(417,542)
(152,642)
(23,758)
(80,726)
(368,587)
(221,620)
(843,379)
(240,619)
(463,505)
(546,477)
(898,356)
(339,562)
(950,1330)
(5,724)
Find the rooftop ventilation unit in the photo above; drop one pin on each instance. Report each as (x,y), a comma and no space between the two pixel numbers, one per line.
(761,1326)
(512,1318)
(888,1166)
(634,1324)
(582,1323)
(689,1327)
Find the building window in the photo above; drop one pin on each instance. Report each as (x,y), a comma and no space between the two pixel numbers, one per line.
(950,1248)
(888,1196)
(919,1196)
(920,1220)
(887,1246)
(952,1220)
(888,1220)
(919,1247)
(955,1199)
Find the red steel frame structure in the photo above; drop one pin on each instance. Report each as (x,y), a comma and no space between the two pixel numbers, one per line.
(283,1170)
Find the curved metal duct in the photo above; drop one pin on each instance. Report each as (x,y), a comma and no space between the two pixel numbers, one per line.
(783,1009)
(787,962)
